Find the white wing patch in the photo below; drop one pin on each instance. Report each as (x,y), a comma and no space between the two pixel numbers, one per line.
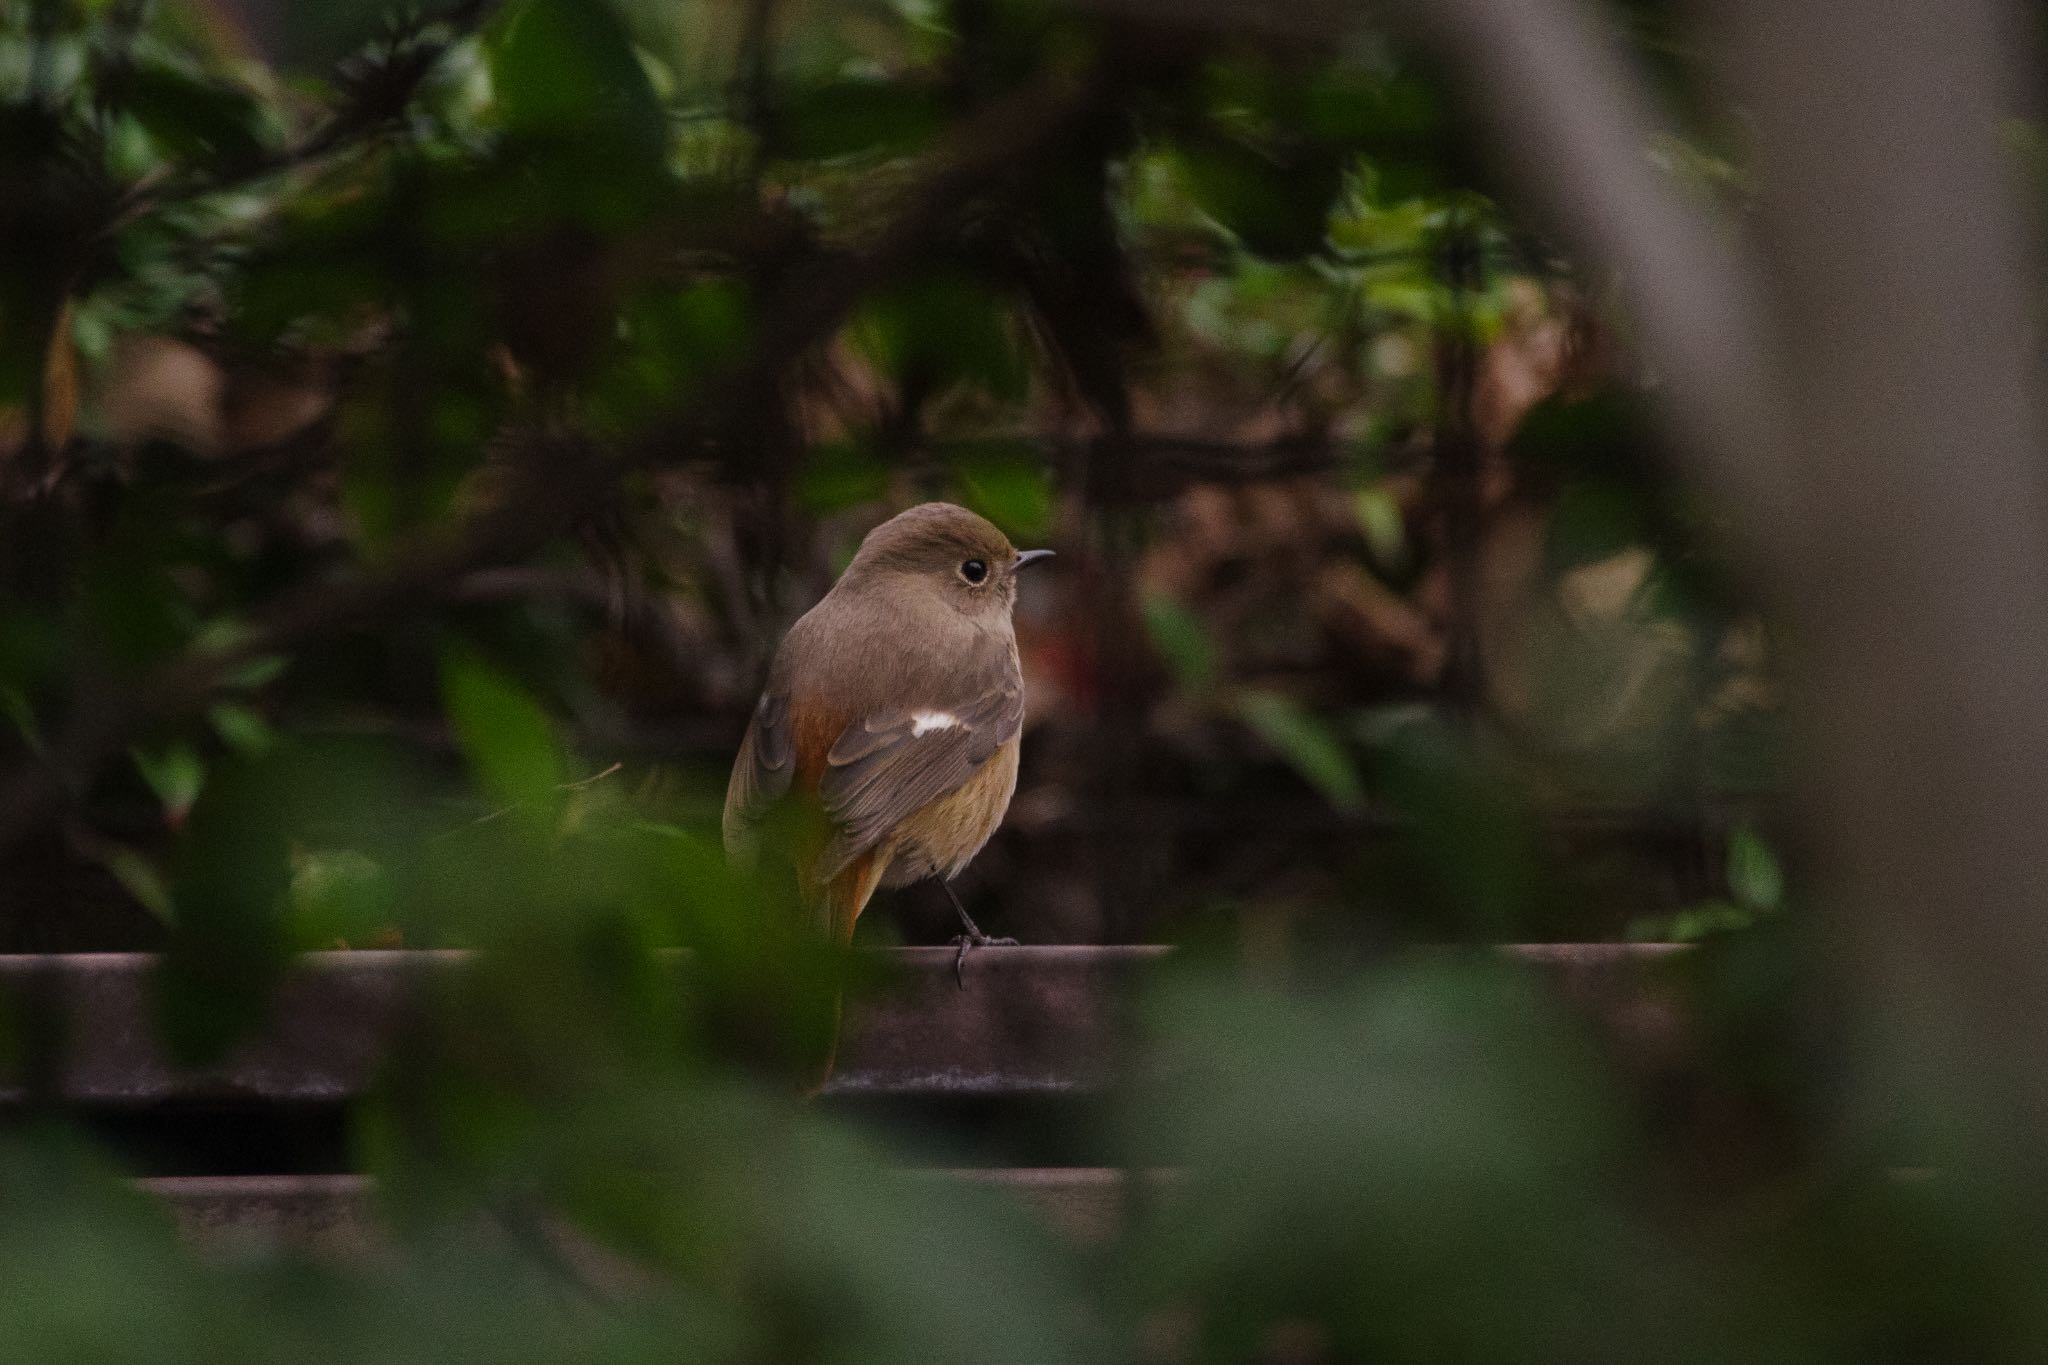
(924,722)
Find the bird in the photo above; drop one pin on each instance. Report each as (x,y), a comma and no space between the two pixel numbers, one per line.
(892,713)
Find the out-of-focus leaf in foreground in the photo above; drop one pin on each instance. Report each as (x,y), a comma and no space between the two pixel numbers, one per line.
(1421,1165)
(232,877)
(771,1239)
(1308,743)
(504,733)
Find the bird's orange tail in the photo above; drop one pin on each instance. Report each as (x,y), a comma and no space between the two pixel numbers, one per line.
(843,898)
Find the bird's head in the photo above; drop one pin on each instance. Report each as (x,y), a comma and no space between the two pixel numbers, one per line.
(939,548)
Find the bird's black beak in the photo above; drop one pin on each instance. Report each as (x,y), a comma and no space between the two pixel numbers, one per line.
(1031,556)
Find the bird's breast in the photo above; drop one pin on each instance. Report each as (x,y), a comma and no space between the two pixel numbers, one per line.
(941,837)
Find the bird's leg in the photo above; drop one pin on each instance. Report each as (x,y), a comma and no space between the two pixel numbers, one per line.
(973,938)
(973,933)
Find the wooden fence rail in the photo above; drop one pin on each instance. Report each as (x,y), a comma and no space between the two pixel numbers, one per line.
(255,1151)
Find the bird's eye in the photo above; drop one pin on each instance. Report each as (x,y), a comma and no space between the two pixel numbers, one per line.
(974,571)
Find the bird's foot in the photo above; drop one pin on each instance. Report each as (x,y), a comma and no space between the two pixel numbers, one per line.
(968,942)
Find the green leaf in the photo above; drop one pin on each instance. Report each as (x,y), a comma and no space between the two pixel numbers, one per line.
(567,66)
(1471,852)
(839,475)
(673,344)
(1609,434)
(264,668)
(228,878)
(192,117)
(370,499)
(1278,206)
(1592,521)
(1386,536)
(1309,744)
(944,329)
(1413,142)
(1418,1160)
(1754,878)
(31,649)
(836,118)
(176,774)
(508,740)
(16,707)
(338,895)
(139,875)
(232,867)
(1013,491)
(243,729)
(1709,919)
(1705,921)
(1182,640)
(128,601)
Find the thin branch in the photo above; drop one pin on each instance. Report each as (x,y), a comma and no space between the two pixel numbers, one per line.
(491,816)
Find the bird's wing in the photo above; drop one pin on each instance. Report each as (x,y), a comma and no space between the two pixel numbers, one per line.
(888,765)
(761,773)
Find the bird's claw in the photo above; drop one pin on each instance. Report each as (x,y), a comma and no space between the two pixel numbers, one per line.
(967,942)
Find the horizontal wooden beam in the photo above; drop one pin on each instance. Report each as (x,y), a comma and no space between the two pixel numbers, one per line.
(1024,1022)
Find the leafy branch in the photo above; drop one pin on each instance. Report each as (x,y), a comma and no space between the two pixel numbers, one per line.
(543,498)
(379,83)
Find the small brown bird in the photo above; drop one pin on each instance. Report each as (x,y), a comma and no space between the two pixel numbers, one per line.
(893,707)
